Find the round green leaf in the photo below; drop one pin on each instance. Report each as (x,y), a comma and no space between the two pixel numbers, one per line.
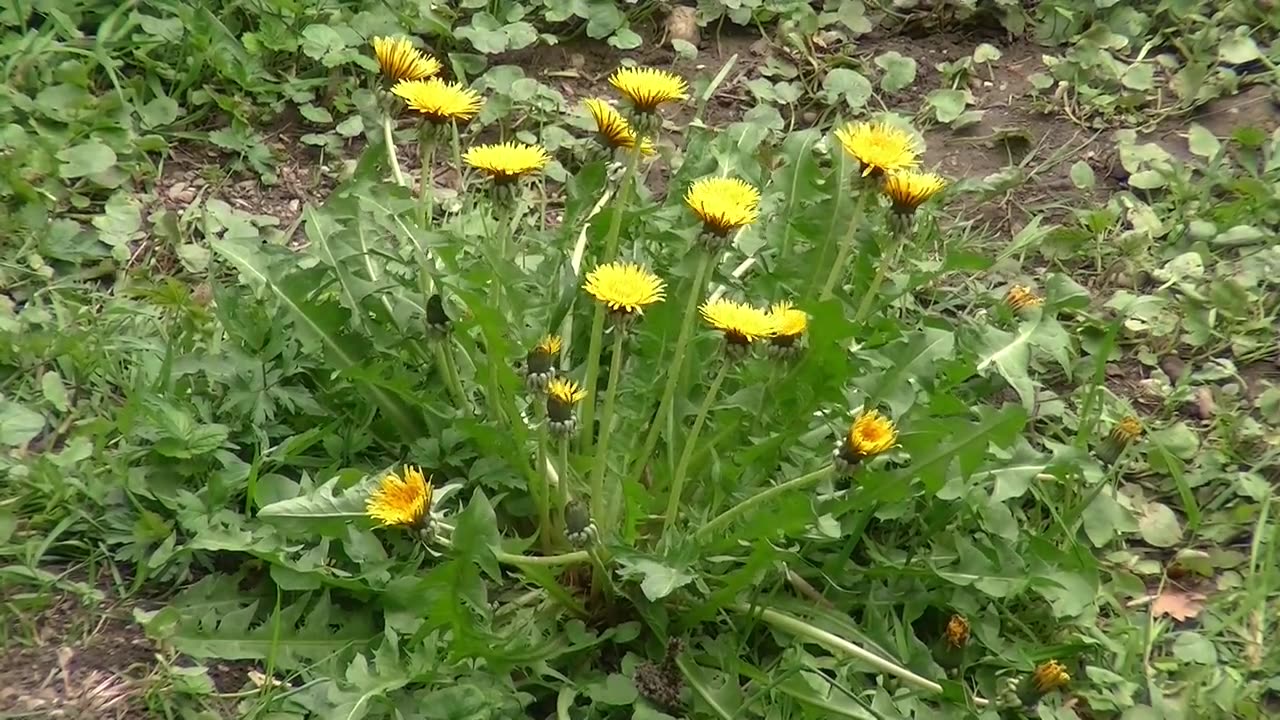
(899,71)
(87,158)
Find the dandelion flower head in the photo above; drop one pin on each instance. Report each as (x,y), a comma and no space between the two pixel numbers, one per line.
(505,162)
(1049,676)
(647,88)
(740,323)
(400,500)
(871,434)
(438,101)
(723,204)
(880,147)
(625,287)
(790,322)
(910,189)
(614,129)
(400,60)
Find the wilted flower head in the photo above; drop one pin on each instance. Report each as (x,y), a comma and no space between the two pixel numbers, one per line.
(957,631)
(723,204)
(647,88)
(507,162)
(909,189)
(614,129)
(1021,298)
(626,288)
(401,500)
(1123,434)
(870,434)
(438,101)
(880,147)
(400,60)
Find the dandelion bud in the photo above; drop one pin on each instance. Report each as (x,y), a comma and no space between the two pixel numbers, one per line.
(1121,436)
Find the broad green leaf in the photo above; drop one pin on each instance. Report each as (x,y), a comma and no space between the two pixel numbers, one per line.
(1239,49)
(1082,175)
(657,580)
(899,71)
(1195,648)
(849,85)
(19,425)
(476,536)
(947,103)
(87,158)
(1009,354)
(616,689)
(120,220)
(985,53)
(326,502)
(1202,142)
(967,442)
(1159,526)
(54,391)
(1105,519)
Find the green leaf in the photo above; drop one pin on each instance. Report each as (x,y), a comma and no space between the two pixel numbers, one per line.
(849,85)
(947,104)
(985,53)
(1139,76)
(19,425)
(54,391)
(616,689)
(1202,142)
(476,537)
(120,220)
(658,580)
(318,41)
(1082,175)
(319,320)
(1238,49)
(899,71)
(87,158)
(1105,518)
(1178,439)
(932,456)
(160,111)
(1195,648)
(627,39)
(1009,354)
(1159,526)
(325,502)
(603,19)
(350,127)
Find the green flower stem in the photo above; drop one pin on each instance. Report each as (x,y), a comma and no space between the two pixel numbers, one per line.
(831,229)
(592,379)
(444,358)
(846,247)
(388,138)
(677,362)
(691,444)
(598,504)
(721,521)
(457,151)
(887,260)
(573,558)
(544,494)
(426,183)
(838,644)
(562,488)
(597,320)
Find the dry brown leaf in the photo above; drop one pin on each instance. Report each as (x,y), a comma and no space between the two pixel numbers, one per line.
(1181,605)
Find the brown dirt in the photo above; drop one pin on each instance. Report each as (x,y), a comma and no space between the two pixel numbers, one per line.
(81,662)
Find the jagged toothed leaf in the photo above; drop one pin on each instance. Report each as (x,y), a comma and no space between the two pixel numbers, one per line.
(326,502)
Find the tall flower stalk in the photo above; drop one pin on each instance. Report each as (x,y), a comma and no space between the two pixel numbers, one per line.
(599,502)
(426,181)
(596,343)
(690,446)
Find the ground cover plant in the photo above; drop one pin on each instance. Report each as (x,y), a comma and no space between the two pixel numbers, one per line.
(449,362)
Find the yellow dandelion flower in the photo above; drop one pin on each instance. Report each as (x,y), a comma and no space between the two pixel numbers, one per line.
(910,189)
(550,345)
(562,396)
(1021,298)
(789,321)
(880,147)
(625,287)
(647,88)
(957,631)
(870,434)
(400,60)
(614,129)
(723,204)
(507,161)
(438,101)
(740,323)
(1050,676)
(401,500)
(1127,430)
